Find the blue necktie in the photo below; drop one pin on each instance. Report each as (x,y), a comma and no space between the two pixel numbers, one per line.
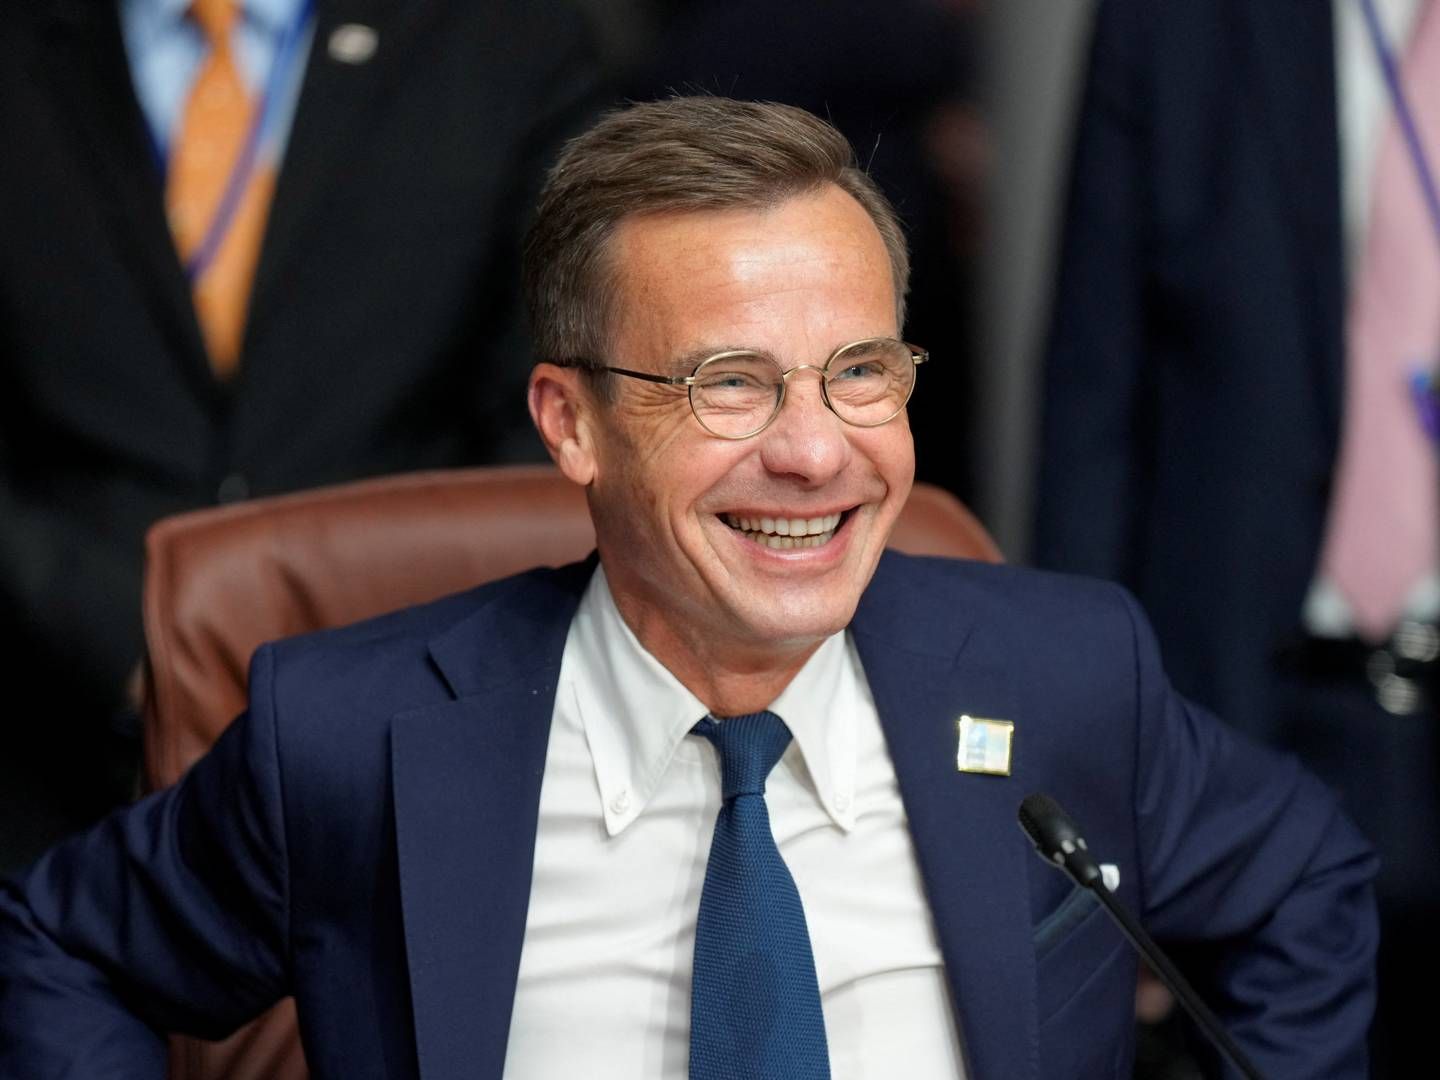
(754,1003)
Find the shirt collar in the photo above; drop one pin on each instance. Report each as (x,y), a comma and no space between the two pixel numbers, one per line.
(166,10)
(820,709)
(154,16)
(275,16)
(272,15)
(636,713)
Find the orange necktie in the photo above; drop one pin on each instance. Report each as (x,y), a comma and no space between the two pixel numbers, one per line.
(213,132)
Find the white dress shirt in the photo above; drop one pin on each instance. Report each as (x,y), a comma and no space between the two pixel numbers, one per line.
(627,809)
(1362,105)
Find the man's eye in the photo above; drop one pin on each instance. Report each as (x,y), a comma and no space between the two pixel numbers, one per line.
(731,380)
(869,369)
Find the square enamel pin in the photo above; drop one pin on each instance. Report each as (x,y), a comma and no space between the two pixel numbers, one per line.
(984,745)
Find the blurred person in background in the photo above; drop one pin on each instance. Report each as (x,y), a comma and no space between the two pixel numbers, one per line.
(1239,415)
(250,246)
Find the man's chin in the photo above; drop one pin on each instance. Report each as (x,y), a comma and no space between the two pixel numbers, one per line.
(793,623)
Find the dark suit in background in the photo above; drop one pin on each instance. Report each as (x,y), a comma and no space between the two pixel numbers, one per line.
(383,332)
(1193,395)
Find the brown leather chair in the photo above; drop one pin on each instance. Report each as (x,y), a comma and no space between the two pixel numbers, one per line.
(221,581)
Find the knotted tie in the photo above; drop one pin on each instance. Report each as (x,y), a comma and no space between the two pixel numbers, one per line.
(755,1003)
(212,137)
(1381,535)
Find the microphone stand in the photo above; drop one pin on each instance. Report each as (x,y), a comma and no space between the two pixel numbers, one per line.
(1179,986)
(1059,843)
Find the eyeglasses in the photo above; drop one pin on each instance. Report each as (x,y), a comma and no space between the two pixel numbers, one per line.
(738,394)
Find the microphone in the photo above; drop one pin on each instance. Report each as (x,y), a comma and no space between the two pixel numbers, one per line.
(1058,841)
(1056,838)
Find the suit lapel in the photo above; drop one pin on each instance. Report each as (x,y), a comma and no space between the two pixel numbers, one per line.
(466,778)
(85,63)
(970,849)
(467,773)
(1289,64)
(336,104)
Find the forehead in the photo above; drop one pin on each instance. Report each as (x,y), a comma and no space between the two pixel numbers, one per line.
(809,272)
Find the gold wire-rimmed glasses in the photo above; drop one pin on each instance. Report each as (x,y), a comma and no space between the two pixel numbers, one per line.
(738,393)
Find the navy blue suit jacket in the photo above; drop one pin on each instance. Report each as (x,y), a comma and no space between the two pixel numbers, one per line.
(362,838)
(1193,390)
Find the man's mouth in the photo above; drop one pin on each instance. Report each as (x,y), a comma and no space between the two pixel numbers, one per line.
(782,533)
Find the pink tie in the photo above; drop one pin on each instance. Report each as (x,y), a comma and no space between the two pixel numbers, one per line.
(1382,533)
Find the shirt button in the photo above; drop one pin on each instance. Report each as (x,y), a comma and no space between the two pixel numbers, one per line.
(621,802)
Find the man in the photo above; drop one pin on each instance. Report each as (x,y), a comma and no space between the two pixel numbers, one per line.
(474,838)
(1207,420)
(356,317)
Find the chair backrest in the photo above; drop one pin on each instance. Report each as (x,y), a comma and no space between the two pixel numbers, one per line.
(221,581)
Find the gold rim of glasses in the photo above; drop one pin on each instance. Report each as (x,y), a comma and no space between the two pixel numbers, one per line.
(695,382)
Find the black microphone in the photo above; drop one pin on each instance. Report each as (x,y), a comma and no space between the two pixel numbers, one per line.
(1058,841)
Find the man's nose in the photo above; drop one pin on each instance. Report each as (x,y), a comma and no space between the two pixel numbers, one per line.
(806,440)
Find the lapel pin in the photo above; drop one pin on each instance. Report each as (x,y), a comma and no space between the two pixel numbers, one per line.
(352,43)
(984,745)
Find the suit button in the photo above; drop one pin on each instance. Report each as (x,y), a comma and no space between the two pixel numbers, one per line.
(232,489)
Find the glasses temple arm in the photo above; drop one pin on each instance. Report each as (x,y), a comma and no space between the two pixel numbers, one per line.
(667,380)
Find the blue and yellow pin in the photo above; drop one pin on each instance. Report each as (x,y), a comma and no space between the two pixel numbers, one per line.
(985,745)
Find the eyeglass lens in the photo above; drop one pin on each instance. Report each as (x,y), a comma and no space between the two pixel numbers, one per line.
(867,383)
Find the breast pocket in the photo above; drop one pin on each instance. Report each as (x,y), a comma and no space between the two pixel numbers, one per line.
(1085,981)
(1077,947)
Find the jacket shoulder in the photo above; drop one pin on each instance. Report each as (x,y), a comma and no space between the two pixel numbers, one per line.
(998,593)
(384,665)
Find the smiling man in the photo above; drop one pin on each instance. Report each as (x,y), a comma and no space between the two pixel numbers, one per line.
(759,522)
(693,807)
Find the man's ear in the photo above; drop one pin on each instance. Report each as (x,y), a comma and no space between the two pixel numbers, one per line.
(563,409)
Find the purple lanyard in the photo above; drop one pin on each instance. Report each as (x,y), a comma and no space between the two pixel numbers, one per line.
(1390,67)
(1424,389)
(286,55)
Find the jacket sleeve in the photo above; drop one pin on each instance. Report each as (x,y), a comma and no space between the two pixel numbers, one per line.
(171,915)
(1244,851)
(1092,479)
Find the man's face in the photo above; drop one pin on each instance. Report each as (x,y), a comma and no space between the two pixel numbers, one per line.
(794,282)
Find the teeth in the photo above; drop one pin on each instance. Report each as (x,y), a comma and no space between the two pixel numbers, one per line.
(783,534)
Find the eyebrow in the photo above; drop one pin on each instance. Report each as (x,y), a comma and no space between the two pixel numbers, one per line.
(688,361)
